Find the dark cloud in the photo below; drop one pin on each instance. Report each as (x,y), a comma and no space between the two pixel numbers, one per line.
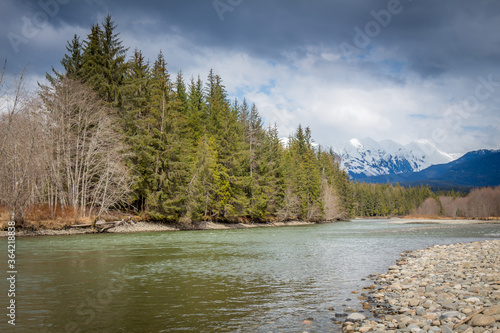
(434,37)
(434,48)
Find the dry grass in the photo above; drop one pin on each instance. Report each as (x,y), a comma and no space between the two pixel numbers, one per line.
(4,217)
(43,217)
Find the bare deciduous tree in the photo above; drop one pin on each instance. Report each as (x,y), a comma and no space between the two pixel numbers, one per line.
(13,98)
(480,203)
(18,141)
(85,167)
(429,207)
(484,202)
(331,203)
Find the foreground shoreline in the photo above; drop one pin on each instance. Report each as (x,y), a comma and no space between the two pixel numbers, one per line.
(447,288)
(144,227)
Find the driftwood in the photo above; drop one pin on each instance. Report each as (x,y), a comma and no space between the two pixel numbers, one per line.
(99,226)
(469,317)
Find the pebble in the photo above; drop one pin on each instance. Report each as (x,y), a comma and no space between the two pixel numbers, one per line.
(445,288)
(482,320)
(355,317)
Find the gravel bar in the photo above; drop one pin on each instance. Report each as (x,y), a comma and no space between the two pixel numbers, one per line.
(447,288)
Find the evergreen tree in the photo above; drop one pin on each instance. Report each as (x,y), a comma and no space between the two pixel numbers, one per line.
(114,66)
(245,119)
(303,177)
(255,136)
(93,61)
(135,112)
(181,93)
(388,200)
(72,62)
(267,177)
(195,115)
(209,189)
(103,62)
(223,123)
(136,89)
(165,127)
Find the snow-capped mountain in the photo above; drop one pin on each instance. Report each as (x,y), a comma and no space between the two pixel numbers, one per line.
(367,157)
(475,169)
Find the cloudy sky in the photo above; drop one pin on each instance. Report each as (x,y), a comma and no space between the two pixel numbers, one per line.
(402,70)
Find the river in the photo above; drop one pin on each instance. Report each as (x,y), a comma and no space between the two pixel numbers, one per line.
(244,280)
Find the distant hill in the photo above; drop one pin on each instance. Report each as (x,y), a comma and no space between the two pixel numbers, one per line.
(474,169)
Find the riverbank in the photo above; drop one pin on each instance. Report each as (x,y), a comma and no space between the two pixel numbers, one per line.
(452,288)
(138,227)
(409,220)
(433,219)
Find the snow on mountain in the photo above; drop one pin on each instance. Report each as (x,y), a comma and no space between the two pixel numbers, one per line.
(368,157)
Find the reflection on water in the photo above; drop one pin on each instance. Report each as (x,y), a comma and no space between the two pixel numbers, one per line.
(247,280)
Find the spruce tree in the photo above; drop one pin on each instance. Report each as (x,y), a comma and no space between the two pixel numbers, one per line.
(114,66)
(103,62)
(136,89)
(135,112)
(72,62)
(181,94)
(208,189)
(224,125)
(267,175)
(195,115)
(166,127)
(93,61)
(304,175)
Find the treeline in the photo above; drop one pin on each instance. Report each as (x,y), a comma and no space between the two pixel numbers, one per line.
(108,132)
(388,200)
(479,203)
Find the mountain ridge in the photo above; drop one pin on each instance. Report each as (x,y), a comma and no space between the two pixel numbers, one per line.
(367,157)
(475,169)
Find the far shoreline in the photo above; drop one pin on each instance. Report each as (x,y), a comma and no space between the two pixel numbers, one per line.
(146,227)
(437,220)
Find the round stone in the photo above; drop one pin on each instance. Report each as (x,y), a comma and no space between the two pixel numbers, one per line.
(356,317)
(482,320)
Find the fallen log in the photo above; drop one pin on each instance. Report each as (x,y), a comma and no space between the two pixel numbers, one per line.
(100,224)
(81,225)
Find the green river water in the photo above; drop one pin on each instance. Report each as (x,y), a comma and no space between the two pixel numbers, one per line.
(245,280)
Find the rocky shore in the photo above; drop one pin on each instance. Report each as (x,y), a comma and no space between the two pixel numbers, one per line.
(135,227)
(450,288)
